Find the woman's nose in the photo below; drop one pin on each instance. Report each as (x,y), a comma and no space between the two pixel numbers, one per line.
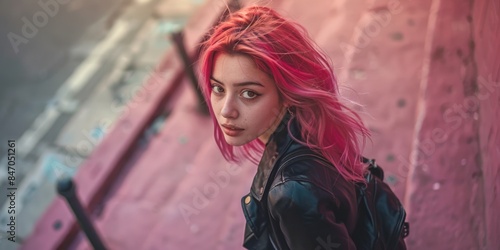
(229,110)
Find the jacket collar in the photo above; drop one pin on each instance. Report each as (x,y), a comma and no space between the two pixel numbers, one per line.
(278,144)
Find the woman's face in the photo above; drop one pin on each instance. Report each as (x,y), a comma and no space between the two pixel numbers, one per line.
(245,100)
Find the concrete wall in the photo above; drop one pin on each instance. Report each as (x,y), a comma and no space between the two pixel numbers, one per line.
(452,195)
(486,27)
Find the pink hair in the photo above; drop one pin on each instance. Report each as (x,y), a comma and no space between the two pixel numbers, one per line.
(304,78)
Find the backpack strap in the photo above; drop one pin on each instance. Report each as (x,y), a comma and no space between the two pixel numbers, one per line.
(373,167)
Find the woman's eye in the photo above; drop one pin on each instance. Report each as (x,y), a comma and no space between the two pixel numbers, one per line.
(249,94)
(217,89)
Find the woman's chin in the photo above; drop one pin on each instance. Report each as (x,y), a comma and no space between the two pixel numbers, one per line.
(235,141)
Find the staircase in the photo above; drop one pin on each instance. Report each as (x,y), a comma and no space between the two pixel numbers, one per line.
(426,77)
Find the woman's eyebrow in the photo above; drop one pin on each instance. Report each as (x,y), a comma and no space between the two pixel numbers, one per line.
(241,84)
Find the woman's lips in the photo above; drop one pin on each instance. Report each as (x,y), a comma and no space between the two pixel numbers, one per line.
(231,130)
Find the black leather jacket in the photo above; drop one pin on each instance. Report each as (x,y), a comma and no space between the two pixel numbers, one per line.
(307,205)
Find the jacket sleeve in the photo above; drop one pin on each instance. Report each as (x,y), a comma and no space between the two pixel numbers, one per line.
(306,215)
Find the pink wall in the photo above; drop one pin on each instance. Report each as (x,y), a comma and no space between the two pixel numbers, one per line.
(452,196)
(486,26)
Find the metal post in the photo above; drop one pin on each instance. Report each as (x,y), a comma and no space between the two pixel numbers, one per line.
(178,38)
(67,189)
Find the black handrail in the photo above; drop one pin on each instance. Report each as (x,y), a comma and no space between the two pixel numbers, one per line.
(178,38)
(67,189)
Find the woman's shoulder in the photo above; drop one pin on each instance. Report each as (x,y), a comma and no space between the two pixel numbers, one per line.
(305,183)
(305,163)
(314,172)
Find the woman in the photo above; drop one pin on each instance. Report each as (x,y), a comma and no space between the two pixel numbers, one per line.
(272,93)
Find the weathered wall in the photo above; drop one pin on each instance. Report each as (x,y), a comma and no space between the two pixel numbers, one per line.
(486,27)
(452,196)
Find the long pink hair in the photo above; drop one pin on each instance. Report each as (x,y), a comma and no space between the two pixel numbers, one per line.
(304,78)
